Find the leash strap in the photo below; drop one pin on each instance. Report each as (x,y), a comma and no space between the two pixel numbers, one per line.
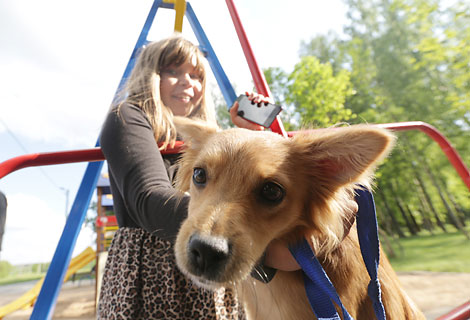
(367,231)
(320,291)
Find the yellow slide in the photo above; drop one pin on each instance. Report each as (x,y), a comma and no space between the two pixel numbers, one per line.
(27,300)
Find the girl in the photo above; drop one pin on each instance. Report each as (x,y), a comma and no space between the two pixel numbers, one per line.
(141,279)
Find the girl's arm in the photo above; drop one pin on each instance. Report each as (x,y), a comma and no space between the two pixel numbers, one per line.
(139,173)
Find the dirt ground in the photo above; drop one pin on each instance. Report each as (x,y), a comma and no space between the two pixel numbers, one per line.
(435,293)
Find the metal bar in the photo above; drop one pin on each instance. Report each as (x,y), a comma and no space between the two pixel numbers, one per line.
(141,41)
(63,157)
(39,159)
(219,73)
(47,298)
(433,133)
(462,312)
(452,154)
(258,76)
(49,158)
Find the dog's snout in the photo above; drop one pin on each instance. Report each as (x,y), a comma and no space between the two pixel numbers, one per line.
(208,255)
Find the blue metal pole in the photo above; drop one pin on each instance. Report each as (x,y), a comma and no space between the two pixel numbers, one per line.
(141,41)
(47,298)
(219,73)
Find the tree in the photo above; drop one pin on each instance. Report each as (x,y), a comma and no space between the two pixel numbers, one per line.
(405,60)
(317,94)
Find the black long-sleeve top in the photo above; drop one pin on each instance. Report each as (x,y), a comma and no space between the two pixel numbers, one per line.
(140,177)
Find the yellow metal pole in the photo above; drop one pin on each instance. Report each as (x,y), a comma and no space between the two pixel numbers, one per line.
(180,9)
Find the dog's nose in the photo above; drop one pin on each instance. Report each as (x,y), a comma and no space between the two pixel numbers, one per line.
(208,255)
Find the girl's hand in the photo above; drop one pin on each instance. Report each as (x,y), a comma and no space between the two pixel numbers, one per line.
(243,123)
(279,257)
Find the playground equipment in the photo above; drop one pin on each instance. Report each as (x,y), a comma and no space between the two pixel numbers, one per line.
(56,274)
(27,299)
(106,226)
(106,223)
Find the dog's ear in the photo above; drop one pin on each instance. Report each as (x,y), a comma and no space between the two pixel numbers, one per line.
(194,132)
(338,156)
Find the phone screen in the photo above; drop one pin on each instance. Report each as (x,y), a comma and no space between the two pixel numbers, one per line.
(262,114)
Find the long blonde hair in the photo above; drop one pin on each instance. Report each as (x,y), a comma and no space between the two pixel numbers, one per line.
(142,88)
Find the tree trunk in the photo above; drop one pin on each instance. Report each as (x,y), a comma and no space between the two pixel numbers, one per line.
(458,209)
(411,227)
(450,213)
(428,199)
(398,202)
(412,218)
(412,149)
(395,224)
(384,239)
(427,223)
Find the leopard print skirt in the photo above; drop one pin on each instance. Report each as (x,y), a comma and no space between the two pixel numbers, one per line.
(141,281)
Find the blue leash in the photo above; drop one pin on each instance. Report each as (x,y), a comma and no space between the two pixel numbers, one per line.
(320,291)
(367,231)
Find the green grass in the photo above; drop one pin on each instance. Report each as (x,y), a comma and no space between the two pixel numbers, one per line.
(441,252)
(85,270)
(20,278)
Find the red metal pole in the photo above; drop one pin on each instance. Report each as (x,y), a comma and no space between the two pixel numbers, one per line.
(95,154)
(258,77)
(445,145)
(462,312)
(433,133)
(50,158)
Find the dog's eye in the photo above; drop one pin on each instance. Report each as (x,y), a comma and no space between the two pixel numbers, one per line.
(199,176)
(272,192)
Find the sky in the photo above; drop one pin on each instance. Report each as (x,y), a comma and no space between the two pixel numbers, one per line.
(60,64)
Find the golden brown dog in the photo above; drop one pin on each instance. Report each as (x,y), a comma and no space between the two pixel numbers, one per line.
(248,188)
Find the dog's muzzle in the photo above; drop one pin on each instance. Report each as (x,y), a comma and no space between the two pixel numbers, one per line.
(208,256)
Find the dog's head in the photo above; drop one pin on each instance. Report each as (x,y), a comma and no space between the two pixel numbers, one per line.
(249,187)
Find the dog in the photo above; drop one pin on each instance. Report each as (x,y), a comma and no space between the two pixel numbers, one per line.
(249,188)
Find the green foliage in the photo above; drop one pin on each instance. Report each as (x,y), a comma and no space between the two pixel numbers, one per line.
(222,113)
(400,60)
(279,86)
(319,95)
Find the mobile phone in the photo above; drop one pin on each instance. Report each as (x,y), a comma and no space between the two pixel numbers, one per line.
(259,113)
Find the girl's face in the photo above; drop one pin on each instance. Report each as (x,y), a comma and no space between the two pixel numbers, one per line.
(181,88)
